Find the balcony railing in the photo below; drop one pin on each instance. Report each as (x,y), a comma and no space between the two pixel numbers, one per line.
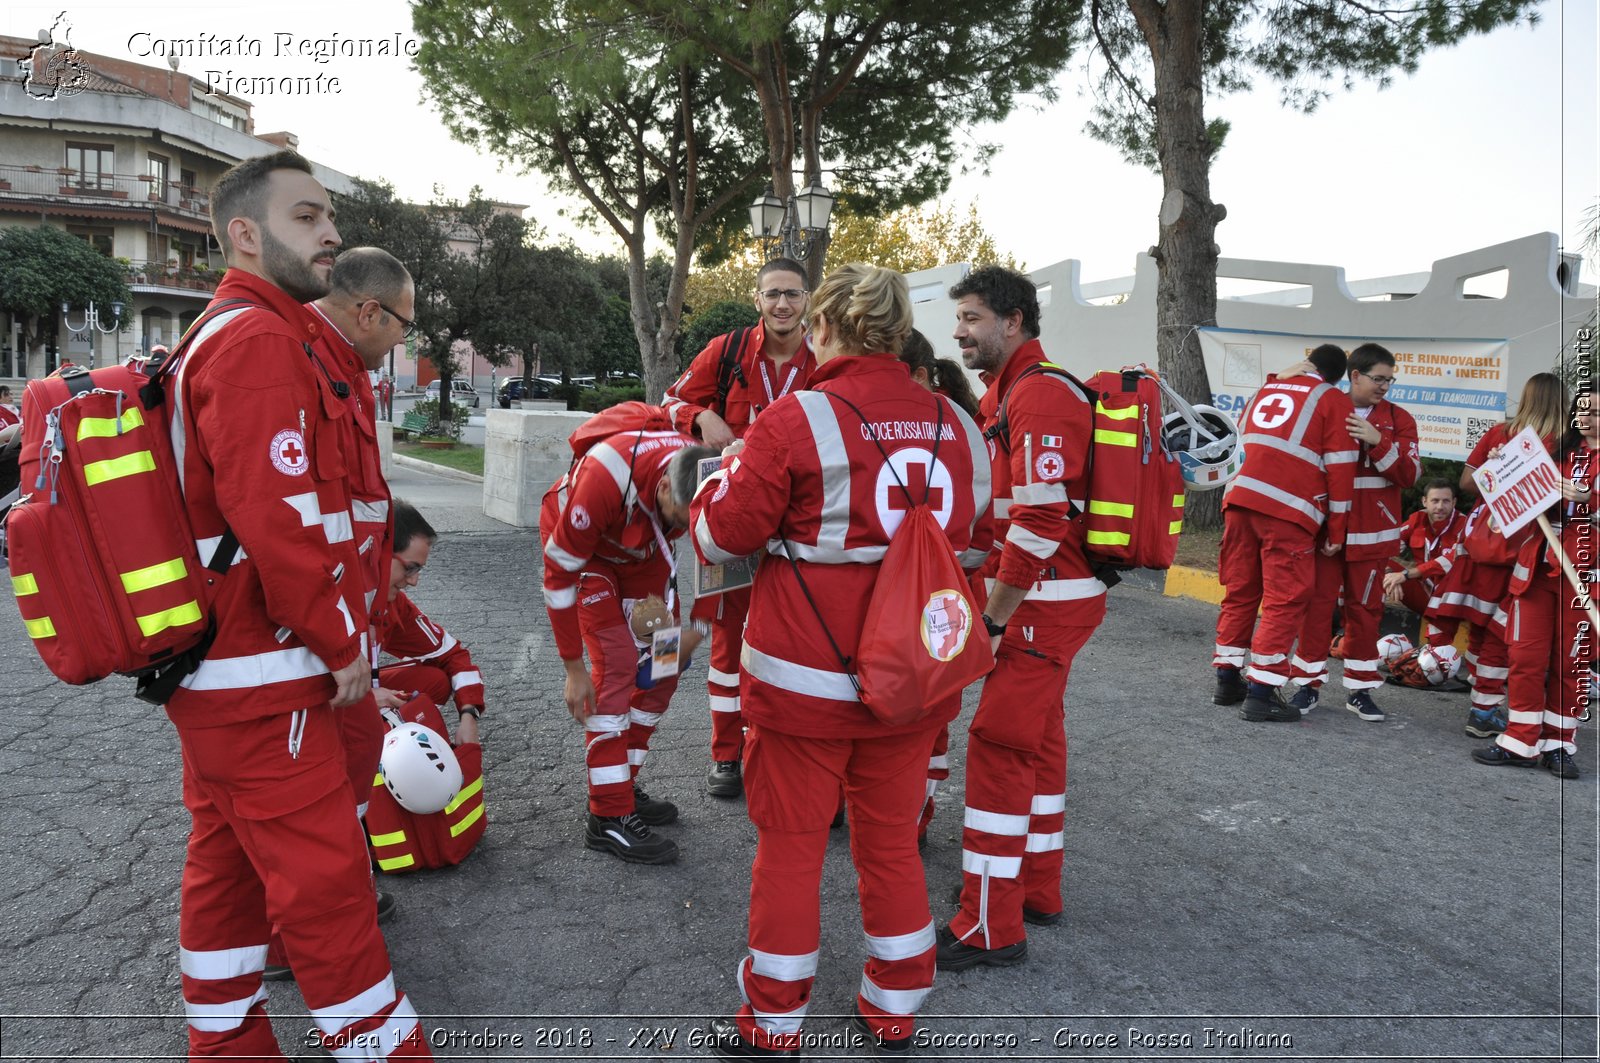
(123,190)
(171,275)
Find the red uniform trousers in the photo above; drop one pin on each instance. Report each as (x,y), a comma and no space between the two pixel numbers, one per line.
(791,787)
(1014,829)
(417,679)
(1362,584)
(361,730)
(617,735)
(1414,594)
(1549,668)
(1265,565)
(722,679)
(1486,657)
(273,843)
(938,772)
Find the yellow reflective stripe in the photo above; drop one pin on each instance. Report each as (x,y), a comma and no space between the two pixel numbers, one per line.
(106,427)
(1175,527)
(466,794)
(155,623)
(98,472)
(1116,415)
(1100,538)
(396,838)
(41,628)
(377,780)
(24,585)
(473,817)
(1116,439)
(1110,509)
(397,862)
(142,579)
(1177,500)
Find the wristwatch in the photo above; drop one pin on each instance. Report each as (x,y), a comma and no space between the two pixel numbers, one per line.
(471,710)
(995,630)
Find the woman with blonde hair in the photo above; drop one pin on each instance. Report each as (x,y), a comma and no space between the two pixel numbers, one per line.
(829,474)
(1542,407)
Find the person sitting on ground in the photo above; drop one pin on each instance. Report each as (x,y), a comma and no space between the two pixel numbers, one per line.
(1428,533)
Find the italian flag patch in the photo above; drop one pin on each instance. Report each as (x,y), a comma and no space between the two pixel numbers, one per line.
(1049,441)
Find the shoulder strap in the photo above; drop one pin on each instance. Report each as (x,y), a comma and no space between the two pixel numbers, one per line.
(733,349)
(153,393)
(1001,429)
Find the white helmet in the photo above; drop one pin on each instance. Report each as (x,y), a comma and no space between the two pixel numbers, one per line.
(1393,647)
(1439,663)
(419,769)
(1206,444)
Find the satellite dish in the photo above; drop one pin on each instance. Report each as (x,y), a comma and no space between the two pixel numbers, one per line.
(172,62)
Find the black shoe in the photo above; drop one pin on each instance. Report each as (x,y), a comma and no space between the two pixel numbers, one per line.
(386,905)
(1029,915)
(275,973)
(1361,703)
(838,819)
(1268,706)
(655,812)
(1231,687)
(879,1047)
(1304,700)
(1499,756)
(725,779)
(1560,763)
(952,954)
(629,838)
(728,1043)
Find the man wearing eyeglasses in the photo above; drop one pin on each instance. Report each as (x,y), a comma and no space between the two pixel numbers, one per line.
(725,388)
(1389,462)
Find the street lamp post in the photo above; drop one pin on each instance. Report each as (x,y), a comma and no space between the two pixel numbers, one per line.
(796,228)
(91,324)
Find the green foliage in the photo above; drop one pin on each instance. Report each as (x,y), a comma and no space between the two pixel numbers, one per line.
(720,317)
(1444,469)
(436,428)
(42,267)
(593,400)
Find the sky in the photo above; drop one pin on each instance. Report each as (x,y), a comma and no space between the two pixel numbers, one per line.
(1489,141)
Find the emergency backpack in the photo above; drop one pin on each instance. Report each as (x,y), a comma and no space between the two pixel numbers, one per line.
(103,562)
(729,367)
(1134,510)
(405,841)
(631,416)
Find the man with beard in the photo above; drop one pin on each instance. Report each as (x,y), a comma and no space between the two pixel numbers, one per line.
(256,430)
(739,374)
(1044,601)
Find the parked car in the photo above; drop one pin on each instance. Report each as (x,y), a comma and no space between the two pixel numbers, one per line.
(461,392)
(512,391)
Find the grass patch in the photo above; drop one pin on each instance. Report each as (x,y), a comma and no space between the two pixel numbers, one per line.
(461,456)
(1199,548)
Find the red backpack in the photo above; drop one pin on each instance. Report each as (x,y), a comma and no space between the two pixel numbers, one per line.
(632,416)
(405,841)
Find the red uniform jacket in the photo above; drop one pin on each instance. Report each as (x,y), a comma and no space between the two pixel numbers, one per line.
(1575,526)
(1043,479)
(1385,468)
(811,476)
(757,385)
(1299,459)
(406,632)
(605,511)
(257,431)
(1428,543)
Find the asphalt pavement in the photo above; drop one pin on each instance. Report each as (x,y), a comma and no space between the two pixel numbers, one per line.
(1332,889)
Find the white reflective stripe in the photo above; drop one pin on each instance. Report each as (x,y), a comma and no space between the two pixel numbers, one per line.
(1268,658)
(1036,545)
(1261,675)
(941,762)
(1559,722)
(893,1001)
(180,443)
(565,561)
(636,756)
(1482,700)
(723,703)
(1339,507)
(1046,843)
(971,557)
(217,964)
(644,719)
(1368,538)
(242,673)
(598,724)
(377,1044)
(1233,655)
(781,1023)
(1371,483)
(561,598)
(336,527)
(1520,572)
(1521,749)
(619,469)
(207,549)
(1048,804)
(1060,590)
(783,968)
(1471,602)
(708,546)
(1534,717)
(466,679)
(978,448)
(828,554)
(721,678)
(1364,666)
(1485,671)
(902,946)
(933,788)
(370,512)
(1305,454)
(365,1004)
(220,1018)
(996,823)
(1002,509)
(1278,495)
(1341,457)
(614,774)
(995,866)
(1390,456)
(797,678)
(1041,494)
(833,520)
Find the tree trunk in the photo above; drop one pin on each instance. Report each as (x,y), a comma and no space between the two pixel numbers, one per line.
(1186,253)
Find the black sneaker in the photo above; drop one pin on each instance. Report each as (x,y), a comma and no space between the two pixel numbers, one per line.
(1231,687)
(1560,763)
(1304,700)
(1361,703)
(1266,703)
(725,779)
(654,811)
(1486,723)
(879,1047)
(1029,915)
(386,905)
(274,973)
(628,838)
(952,954)
(728,1043)
(1499,756)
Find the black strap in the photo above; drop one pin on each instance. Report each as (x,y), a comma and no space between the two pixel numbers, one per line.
(844,662)
(77,379)
(730,367)
(222,557)
(154,393)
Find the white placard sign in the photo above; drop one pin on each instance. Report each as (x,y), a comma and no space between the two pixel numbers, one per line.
(1519,484)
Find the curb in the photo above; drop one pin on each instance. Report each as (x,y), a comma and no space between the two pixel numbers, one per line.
(418,465)
(1197,583)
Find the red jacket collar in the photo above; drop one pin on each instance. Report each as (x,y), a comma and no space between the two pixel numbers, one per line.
(237,284)
(1022,359)
(804,357)
(854,365)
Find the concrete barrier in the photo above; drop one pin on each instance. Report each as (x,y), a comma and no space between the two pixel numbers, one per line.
(525,451)
(386,446)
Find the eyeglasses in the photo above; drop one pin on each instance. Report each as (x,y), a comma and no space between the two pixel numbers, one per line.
(407,323)
(411,568)
(794,295)
(1377,379)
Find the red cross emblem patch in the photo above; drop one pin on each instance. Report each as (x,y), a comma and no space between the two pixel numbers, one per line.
(288,453)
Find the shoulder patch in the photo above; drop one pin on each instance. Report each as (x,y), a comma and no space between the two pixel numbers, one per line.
(288,452)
